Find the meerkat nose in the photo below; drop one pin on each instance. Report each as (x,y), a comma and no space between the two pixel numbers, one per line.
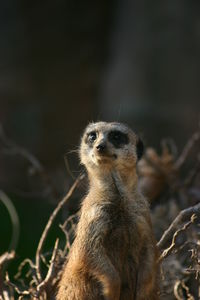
(101,147)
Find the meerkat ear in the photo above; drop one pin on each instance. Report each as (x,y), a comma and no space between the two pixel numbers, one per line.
(139,148)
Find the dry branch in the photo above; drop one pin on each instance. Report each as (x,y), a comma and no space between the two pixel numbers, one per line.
(6,257)
(21,266)
(166,252)
(68,232)
(183,216)
(51,271)
(11,148)
(187,150)
(18,291)
(14,219)
(49,223)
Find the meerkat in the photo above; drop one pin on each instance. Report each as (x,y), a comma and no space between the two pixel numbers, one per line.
(113,256)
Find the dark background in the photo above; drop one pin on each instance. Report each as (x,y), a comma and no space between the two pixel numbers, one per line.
(65,63)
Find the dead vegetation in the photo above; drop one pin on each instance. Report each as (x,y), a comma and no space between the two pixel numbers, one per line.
(170,181)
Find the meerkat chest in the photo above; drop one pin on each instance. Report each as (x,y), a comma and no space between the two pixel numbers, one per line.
(120,222)
(121,231)
(113,218)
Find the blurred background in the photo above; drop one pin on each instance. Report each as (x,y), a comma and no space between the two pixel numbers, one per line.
(65,63)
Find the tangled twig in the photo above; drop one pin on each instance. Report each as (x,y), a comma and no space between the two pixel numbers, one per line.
(49,223)
(182,217)
(50,274)
(166,252)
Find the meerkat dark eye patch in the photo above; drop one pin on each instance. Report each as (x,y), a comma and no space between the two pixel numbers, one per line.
(118,138)
(91,137)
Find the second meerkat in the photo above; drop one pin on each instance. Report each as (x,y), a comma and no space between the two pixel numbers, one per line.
(113,256)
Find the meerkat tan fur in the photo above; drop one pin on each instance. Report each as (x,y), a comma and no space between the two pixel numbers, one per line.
(113,256)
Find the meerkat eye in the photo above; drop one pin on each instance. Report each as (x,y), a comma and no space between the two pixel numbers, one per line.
(118,138)
(92,136)
(116,135)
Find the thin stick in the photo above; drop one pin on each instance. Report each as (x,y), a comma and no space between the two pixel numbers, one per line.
(49,223)
(182,217)
(19,292)
(14,220)
(187,150)
(21,266)
(14,149)
(50,274)
(6,257)
(173,243)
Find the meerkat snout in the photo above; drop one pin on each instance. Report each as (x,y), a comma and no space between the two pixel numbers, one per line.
(101,147)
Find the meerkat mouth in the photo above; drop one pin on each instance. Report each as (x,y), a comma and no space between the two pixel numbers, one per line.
(105,158)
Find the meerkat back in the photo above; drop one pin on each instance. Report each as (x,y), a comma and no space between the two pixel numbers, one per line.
(113,256)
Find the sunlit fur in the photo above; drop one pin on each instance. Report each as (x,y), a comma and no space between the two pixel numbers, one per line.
(114,255)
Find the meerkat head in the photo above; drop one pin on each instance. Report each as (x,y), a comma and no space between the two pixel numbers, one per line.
(106,146)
